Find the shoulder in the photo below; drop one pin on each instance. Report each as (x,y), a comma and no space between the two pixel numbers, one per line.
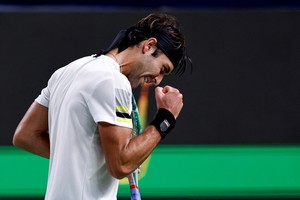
(103,68)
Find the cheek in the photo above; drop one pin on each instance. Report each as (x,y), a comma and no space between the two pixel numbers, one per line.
(155,68)
(151,67)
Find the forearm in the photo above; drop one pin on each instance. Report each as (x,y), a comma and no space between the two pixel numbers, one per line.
(144,144)
(124,155)
(139,148)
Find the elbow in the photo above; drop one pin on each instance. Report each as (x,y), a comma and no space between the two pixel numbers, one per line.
(14,141)
(119,171)
(18,140)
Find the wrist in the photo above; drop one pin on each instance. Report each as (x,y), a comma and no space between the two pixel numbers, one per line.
(164,122)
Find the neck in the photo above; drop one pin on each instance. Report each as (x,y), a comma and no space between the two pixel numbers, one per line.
(114,57)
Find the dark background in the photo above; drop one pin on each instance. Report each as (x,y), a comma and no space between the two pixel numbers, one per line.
(244,88)
(199,4)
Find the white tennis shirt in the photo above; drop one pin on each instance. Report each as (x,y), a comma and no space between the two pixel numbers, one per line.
(86,91)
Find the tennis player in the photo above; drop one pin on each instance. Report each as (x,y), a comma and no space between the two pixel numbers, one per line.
(82,120)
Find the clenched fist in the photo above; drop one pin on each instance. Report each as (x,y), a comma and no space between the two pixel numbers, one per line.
(169,98)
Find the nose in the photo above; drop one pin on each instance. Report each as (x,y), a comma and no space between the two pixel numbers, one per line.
(158,79)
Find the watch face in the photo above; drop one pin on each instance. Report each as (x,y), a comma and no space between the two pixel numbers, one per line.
(164,125)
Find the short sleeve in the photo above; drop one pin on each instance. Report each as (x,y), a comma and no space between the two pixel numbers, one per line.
(111,104)
(44,96)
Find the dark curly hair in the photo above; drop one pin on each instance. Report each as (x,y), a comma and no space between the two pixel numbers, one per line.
(163,27)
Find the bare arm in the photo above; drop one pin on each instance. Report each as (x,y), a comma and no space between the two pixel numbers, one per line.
(123,155)
(31,133)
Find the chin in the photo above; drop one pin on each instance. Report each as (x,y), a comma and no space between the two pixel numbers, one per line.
(138,83)
(133,86)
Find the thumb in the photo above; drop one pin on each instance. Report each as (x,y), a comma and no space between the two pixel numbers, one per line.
(158,93)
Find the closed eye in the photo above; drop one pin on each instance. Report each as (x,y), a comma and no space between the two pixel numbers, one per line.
(165,70)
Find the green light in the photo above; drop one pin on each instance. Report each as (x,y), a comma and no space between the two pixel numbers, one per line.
(180,171)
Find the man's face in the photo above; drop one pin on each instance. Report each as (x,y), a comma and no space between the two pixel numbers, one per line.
(150,69)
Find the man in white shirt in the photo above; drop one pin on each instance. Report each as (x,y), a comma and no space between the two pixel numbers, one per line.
(82,121)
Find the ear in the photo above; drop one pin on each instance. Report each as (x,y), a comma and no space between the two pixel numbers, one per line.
(150,45)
